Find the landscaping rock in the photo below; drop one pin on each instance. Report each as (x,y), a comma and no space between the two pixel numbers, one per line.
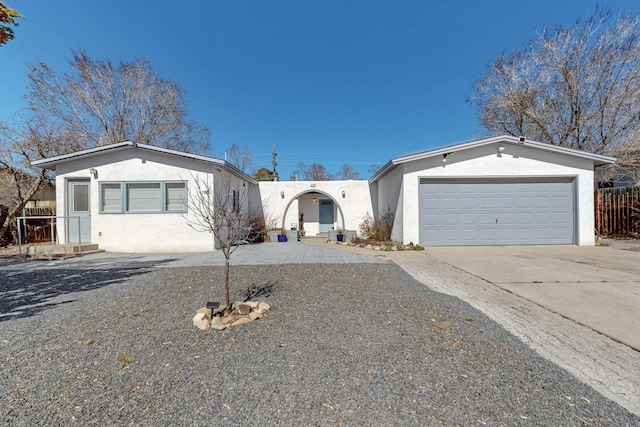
(227,320)
(241,321)
(243,308)
(256,315)
(204,310)
(239,314)
(201,321)
(215,324)
(219,310)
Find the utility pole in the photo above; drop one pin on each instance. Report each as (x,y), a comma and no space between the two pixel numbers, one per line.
(273,162)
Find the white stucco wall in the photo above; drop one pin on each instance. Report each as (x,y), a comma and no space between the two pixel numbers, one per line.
(483,162)
(298,198)
(140,232)
(282,202)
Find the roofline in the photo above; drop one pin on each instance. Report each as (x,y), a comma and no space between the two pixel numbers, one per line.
(598,159)
(47,162)
(119,146)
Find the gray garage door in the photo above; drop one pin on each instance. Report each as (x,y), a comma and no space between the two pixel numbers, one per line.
(496,212)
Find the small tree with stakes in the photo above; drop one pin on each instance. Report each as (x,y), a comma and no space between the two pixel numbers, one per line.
(223,212)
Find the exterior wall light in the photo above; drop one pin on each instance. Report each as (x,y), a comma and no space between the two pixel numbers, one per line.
(343,194)
(500,150)
(314,200)
(94,172)
(282,194)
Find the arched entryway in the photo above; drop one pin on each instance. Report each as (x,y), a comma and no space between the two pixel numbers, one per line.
(321,210)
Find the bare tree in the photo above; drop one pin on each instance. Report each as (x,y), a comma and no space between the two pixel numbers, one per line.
(312,172)
(576,87)
(19,145)
(373,169)
(8,17)
(240,157)
(347,172)
(102,103)
(221,208)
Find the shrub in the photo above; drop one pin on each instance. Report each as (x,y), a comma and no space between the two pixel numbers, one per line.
(379,228)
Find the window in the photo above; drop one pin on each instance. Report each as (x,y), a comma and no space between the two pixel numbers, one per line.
(143,197)
(176,196)
(111,195)
(80,197)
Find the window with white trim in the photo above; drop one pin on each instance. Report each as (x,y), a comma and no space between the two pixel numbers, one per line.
(143,197)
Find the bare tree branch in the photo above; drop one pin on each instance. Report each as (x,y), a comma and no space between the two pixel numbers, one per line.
(575,87)
(240,157)
(312,172)
(103,103)
(220,207)
(19,145)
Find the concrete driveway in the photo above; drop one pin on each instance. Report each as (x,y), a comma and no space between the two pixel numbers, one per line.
(598,287)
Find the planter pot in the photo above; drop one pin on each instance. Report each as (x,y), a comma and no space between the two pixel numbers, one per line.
(292,235)
(282,238)
(339,237)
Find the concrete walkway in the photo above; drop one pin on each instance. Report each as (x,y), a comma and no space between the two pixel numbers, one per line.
(257,254)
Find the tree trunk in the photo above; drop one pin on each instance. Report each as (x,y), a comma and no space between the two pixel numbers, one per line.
(227,267)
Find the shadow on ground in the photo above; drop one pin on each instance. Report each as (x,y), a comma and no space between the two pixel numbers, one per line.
(26,293)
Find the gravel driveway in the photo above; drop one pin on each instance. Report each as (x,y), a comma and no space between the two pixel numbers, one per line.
(347,344)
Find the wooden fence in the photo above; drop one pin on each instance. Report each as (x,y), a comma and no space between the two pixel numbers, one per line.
(617,211)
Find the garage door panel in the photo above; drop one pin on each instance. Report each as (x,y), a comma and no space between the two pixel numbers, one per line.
(484,219)
(459,212)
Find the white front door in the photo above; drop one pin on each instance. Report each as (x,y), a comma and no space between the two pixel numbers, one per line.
(79,211)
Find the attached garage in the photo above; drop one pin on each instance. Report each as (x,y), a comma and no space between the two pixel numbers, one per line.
(482,211)
(502,190)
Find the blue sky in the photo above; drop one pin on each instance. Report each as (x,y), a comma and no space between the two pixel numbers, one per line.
(332,82)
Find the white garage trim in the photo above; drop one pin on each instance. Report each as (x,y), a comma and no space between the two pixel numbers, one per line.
(497,211)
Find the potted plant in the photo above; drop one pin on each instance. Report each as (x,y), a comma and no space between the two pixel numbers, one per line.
(339,235)
(282,237)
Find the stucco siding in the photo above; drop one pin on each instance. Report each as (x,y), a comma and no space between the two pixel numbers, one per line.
(395,187)
(284,201)
(142,232)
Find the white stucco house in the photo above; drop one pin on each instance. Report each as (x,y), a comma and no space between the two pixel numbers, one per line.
(503,190)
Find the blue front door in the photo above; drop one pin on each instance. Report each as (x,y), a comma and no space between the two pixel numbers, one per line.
(326,215)
(79,211)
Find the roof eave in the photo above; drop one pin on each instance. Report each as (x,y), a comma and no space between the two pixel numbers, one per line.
(598,159)
(90,152)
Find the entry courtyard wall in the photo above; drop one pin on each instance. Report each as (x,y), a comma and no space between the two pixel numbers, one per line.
(284,201)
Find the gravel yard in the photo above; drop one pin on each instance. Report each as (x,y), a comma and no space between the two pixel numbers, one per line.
(348,344)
